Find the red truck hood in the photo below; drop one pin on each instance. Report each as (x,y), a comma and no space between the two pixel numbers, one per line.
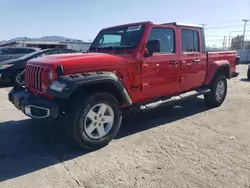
(76,61)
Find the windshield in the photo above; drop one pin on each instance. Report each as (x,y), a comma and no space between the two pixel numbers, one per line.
(120,37)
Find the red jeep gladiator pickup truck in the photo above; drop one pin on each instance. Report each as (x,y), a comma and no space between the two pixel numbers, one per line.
(135,67)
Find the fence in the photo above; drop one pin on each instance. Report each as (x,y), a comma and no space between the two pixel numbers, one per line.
(244,55)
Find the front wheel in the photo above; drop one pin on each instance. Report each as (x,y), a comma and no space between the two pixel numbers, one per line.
(95,120)
(218,92)
(15,78)
(248,74)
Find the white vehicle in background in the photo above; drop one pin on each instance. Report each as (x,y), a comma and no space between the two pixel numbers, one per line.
(7,53)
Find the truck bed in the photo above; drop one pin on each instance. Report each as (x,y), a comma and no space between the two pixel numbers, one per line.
(230,56)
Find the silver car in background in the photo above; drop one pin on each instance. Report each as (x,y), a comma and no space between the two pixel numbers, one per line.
(7,53)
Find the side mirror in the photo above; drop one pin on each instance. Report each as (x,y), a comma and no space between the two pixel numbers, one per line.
(153,46)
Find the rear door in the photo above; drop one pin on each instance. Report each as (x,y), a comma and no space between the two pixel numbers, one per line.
(6,54)
(192,57)
(160,72)
(29,50)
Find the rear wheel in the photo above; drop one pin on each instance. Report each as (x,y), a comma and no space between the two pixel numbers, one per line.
(248,74)
(218,92)
(94,121)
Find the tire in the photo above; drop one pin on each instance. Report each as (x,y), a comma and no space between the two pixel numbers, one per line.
(217,95)
(85,112)
(248,74)
(14,78)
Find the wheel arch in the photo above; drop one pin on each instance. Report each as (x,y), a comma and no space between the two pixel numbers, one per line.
(15,73)
(92,82)
(108,87)
(218,68)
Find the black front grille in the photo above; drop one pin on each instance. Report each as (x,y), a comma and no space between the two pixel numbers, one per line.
(33,77)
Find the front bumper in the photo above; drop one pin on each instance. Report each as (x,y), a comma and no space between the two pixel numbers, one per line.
(33,106)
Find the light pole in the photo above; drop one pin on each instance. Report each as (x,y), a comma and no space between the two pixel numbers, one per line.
(229,38)
(244,32)
(224,43)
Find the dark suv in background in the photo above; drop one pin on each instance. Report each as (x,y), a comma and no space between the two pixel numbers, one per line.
(10,69)
(7,53)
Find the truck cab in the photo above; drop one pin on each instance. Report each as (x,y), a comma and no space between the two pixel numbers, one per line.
(132,67)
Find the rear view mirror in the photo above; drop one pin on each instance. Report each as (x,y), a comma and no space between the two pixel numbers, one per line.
(152,47)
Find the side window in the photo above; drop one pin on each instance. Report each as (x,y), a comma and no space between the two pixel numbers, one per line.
(62,51)
(30,50)
(11,50)
(70,51)
(20,51)
(190,40)
(51,52)
(46,53)
(7,51)
(167,38)
(4,51)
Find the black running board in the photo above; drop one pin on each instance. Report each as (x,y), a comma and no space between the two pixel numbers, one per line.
(174,99)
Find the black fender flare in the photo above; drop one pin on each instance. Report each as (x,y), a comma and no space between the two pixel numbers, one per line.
(215,69)
(74,81)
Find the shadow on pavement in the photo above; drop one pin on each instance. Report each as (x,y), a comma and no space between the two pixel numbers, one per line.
(160,116)
(245,80)
(27,146)
(5,85)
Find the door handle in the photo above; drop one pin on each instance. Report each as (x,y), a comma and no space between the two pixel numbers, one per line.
(145,65)
(197,61)
(173,62)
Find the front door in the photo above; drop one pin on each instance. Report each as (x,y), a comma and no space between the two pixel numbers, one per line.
(160,72)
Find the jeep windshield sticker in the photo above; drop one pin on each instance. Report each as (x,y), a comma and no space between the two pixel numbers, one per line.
(134,28)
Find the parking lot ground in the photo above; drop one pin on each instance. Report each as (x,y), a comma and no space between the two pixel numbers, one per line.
(183,146)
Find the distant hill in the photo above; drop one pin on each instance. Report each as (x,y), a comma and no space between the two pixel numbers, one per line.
(44,38)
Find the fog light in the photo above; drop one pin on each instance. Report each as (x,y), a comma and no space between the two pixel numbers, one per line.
(57,86)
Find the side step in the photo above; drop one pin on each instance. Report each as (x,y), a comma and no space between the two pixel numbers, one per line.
(175,98)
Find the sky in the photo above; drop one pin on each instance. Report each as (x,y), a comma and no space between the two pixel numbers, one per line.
(82,19)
